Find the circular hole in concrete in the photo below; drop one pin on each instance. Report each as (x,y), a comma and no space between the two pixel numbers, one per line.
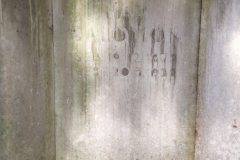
(125,71)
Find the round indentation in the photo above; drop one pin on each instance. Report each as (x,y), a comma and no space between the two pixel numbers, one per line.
(116,56)
(119,35)
(125,71)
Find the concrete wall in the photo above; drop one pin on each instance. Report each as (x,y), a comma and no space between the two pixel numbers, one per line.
(26,80)
(126,79)
(219,81)
(119,79)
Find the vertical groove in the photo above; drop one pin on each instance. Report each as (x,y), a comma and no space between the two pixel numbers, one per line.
(197,79)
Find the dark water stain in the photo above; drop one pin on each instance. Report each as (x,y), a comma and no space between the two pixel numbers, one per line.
(131,35)
(174,40)
(119,35)
(174,63)
(153,40)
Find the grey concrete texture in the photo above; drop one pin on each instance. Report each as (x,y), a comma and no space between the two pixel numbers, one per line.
(219,82)
(26,81)
(119,80)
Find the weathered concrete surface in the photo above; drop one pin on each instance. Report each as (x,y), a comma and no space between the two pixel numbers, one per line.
(219,82)
(26,80)
(125,79)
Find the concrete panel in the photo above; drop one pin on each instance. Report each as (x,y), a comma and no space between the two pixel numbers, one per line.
(219,82)
(125,79)
(26,80)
